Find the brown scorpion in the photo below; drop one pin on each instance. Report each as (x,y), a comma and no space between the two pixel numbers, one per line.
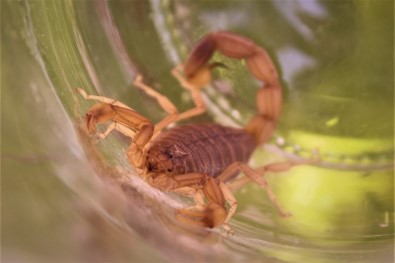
(200,160)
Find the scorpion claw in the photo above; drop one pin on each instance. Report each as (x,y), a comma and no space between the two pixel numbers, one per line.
(89,123)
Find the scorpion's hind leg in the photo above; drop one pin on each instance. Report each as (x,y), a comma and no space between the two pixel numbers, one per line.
(256,175)
(277,167)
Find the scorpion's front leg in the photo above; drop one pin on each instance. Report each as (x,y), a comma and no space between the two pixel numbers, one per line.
(216,192)
(101,99)
(163,101)
(128,119)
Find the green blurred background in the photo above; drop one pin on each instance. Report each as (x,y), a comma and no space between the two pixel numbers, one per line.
(61,199)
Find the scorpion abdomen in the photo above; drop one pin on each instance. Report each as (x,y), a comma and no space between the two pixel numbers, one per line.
(203,148)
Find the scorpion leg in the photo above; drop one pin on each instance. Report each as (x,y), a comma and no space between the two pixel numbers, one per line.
(101,99)
(238,183)
(173,115)
(200,106)
(119,127)
(256,175)
(163,101)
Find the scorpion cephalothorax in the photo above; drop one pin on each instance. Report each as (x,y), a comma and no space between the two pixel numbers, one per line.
(204,148)
(199,160)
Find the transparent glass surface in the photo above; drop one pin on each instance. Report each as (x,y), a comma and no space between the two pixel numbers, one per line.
(72,198)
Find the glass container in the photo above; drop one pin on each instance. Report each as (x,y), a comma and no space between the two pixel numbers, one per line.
(74,198)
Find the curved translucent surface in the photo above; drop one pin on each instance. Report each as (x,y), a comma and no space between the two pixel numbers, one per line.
(68,197)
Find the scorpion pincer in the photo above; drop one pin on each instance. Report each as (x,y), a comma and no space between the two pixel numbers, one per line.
(200,160)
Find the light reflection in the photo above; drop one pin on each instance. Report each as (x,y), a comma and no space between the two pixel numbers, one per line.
(293,62)
(292,10)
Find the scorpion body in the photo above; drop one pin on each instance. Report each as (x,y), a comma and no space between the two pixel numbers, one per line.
(199,160)
(202,148)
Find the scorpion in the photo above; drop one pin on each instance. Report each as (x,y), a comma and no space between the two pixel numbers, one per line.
(200,161)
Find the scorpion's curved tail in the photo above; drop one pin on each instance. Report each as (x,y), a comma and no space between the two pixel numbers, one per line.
(268,99)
